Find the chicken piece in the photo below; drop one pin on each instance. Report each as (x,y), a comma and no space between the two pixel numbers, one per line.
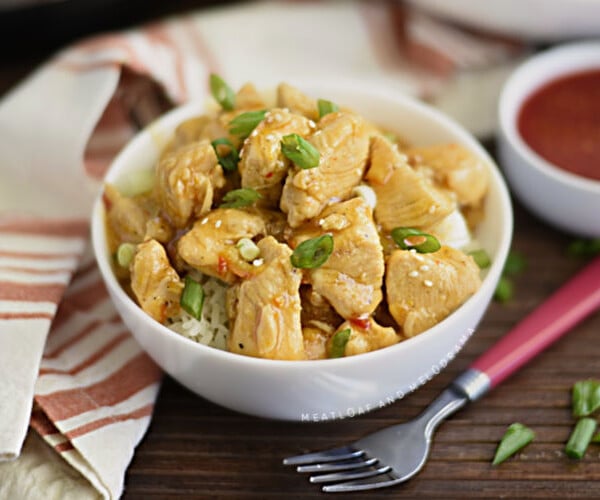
(291,98)
(422,289)
(316,341)
(405,198)
(262,165)
(352,276)
(186,181)
(265,309)
(455,168)
(342,140)
(125,216)
(155,284)
(188,131)
(210,245)
(367,335)
(248,98)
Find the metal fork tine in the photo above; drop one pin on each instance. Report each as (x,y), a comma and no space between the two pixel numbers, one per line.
(331,455)
(337,466)
(349,475)
(379,481)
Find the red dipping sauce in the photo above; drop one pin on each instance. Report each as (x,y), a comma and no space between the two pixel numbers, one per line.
(561,122)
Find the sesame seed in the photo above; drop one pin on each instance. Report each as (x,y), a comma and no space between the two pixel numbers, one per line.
(218,223)
(424,267)
(432,209)
(270,137)
(321,221)
(413,274)
(311,124)
(428,283)
(258,262)
(204,221)
(254,133)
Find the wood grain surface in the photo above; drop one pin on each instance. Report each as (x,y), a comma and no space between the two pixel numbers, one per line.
(195,449)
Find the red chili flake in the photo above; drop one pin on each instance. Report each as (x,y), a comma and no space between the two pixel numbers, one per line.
(269,175)
(362,323)
(106,201)
(222,265)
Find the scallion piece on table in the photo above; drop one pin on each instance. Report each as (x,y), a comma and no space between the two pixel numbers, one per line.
(312,253)
(585,397)
(481,258)
(326,107)
(515,263)
(222,92)
(504,290)
(300,151)
(239,198)
(244,123)
(584,248)
(338,343)
(192,297)
(408,238)
(581,437)
(125,254)
(227,156)
(517,436)
(596,438)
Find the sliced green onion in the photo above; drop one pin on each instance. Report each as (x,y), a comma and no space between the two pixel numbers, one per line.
(581,437)
(300,151)
(481,258)
(584,248)
(222,92)
(243,124)
(515,263)
(125,254)
(338,343)
(517,436)
(312,253)
(192,297)
(240,198)
(230,160)
(585,397)
(504,290)
(408,238)
(326,107)
(248,249)
(137,182)
(596,438)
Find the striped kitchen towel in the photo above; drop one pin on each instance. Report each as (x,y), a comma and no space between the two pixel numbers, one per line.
(68,367)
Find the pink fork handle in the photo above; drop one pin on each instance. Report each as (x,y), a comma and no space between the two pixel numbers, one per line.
(576,299)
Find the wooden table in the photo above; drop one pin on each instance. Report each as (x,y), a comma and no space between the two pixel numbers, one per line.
(195,449)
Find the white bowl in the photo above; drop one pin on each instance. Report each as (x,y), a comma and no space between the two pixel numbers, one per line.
(323,389)
(568,201)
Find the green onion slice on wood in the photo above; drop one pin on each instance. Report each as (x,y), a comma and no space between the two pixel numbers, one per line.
(517,436)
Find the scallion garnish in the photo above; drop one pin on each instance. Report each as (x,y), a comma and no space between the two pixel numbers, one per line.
(408,238)
(515,263)
(300,151)
(312,253)
(125,254)
(230,159)
(222,92)
(585,397)
(481,258)
(338,343)
(596,438)
(240,198)
(504,290)
(581,437)
(326,107)
(192,297)
(244,123)
(584,248)
(516,437)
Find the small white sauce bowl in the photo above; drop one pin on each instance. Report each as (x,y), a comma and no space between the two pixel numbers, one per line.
(568,201)
(322,389)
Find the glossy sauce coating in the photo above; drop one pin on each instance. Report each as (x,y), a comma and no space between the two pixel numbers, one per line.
(561,122)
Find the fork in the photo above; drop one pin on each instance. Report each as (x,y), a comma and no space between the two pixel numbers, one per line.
(395,454)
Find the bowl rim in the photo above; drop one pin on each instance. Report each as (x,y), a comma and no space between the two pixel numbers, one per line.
(194,107)
(559,61)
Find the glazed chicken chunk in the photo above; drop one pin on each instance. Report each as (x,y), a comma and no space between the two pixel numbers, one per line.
(422,289)
(342,140)
(405,198)
(367,335)
(265,309)
(210,246)
(351,278)
(262,165)
(186,181)
(297,102)
(155,284)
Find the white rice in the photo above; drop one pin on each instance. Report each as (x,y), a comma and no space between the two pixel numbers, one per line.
(213,327)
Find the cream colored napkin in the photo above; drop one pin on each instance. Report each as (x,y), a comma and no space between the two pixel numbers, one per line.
(68,367)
